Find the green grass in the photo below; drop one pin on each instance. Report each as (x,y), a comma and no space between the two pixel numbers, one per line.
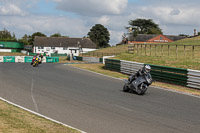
(160,55)
(16,120)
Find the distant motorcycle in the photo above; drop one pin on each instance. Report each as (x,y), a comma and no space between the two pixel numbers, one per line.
(139,85)
(35,62)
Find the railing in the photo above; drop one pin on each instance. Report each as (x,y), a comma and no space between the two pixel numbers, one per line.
(165,50)
(177,76)
(97,54)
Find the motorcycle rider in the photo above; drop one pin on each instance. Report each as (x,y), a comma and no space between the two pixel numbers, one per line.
(144,70)
(34,58)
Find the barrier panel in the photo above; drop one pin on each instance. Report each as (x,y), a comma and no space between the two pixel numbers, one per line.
(52,59)
(19,58)
(129,67)
(112,64)
(173,75)
(193,79)
(9,59)
(28,59)
(1,58)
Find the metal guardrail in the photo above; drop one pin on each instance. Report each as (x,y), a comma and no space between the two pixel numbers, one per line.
(129,67)
(193,79)
(166,74)
(113,64)
(177,76)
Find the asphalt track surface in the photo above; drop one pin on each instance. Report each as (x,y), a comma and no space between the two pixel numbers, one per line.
(96,103)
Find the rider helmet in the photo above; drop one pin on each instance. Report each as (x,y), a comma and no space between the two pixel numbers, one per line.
(147,68)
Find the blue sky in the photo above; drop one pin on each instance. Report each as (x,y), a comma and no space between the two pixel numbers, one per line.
(75,18)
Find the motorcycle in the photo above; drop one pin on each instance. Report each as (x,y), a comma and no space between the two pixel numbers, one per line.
(139,85)
(35,62)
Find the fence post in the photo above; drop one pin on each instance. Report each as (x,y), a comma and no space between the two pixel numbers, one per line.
(168,50)
(162,50)
(176,51)
(156,50)
(193,51)
(184,50)
(150,49)
(145,50)
(141,49)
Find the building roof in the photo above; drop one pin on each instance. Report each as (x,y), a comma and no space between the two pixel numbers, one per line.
(146,37)
(175,38)
(63,42)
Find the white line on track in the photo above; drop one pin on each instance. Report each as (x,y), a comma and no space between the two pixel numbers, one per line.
(121,107)
(32,95)
(40,115)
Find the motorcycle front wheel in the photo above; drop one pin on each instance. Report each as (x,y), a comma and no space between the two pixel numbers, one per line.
(141,89)
(126,88)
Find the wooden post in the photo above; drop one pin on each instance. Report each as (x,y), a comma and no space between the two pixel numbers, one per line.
(184,50)
(155,50)
(141,49)
(162,50)
(150,49)
(193,51)
(168,50)
(176,51)
(137,49)
(145,49)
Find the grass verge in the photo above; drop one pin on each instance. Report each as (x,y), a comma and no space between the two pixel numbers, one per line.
(16,120)
(99,68)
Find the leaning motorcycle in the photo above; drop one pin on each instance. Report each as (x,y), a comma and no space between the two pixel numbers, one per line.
(35,62)
(139,85)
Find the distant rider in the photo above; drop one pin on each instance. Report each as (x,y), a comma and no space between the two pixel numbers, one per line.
(144,70)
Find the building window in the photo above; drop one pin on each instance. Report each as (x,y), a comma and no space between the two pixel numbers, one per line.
(161,38)
(64,48)
(52,47)
(41,47)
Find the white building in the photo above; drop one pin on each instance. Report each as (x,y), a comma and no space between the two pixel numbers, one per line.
(62,45)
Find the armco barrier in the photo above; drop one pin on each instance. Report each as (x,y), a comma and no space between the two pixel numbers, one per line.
(52,59)
(193,79)
(113,64)
(129,67)
(173,75)
(178,76)
(9,59)
(1,58)
(19,58)
(28,59)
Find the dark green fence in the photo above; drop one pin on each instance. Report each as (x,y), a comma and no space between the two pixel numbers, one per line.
(52,59)
(112,64)
(56,55)
(169,74)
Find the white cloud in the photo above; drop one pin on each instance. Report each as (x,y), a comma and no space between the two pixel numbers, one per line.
(10,9)
(93,7)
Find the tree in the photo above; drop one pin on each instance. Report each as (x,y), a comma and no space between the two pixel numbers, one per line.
(33,36)
(99,35)
(144,26)
(56,35)
(5,35)
(25,39)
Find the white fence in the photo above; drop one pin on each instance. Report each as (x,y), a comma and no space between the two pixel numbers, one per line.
(129,67)
(193,79)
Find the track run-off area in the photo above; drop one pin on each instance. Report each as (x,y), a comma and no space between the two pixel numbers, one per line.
(95,103)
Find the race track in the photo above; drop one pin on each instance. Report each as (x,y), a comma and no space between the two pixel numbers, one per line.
(96,103)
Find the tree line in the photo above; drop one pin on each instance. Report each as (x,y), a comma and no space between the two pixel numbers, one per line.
(98,33)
